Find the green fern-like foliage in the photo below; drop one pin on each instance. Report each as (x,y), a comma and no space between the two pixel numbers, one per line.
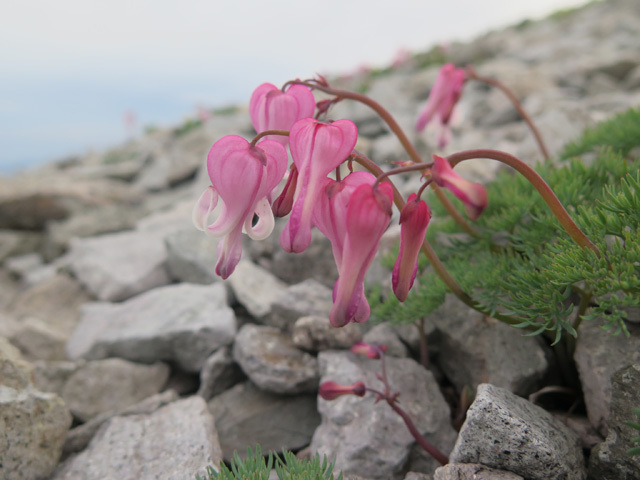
(255,467)
(524,264)
(636,426)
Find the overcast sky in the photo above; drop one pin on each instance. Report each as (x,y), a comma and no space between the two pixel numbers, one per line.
(71,68)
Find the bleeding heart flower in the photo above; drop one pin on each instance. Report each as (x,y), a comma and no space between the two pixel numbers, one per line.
(414,219)
(473,195)
(272,109)
(443,97)
(368,216)
(317,148)
(333,390)
(373,351)
(243,176)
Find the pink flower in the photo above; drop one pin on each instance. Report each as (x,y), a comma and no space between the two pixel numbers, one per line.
(473,195)
(332,390)
(243,176)
(282,205)
(443,97)
(317,148)
(272,109)
(371,351)
(368,216)
(414,219)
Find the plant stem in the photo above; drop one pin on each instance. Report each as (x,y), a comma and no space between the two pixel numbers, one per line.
(424,349)
(423,442)
(539,184)
(427,249)
(284,133)
(516,103)
(402,137)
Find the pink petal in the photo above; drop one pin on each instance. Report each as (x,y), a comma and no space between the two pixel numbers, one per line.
(414,219)
(473,195)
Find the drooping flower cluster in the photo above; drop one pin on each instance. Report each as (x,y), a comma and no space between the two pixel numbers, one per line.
(353,212)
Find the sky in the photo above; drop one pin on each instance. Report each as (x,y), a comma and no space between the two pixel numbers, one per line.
(70,69)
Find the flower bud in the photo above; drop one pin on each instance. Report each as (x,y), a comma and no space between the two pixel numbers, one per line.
(333,390)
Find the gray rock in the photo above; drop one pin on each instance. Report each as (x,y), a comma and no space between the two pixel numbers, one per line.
(178,323)
(255,288)
(598,356)
(470,471)
(218,374)
(41,319)
(367,438)
(176,441)
(191,256)
(272,362)
(107,385)
(610,460)
(315,334)
(79,437)
(475,349)
(300,300)
(507,432)
(95,221)
(33,424)
(19,266)
(247,416)
(417,476)
(118,266)
(384,334)
(15,242)
(315,262)
(51,376)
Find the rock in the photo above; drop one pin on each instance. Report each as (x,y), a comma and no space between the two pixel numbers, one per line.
(315,262)
(417,476)
(150,446)
(182,323)
(315,334)
(19,266)
(44,316)
(300,300)
(610,460)
(14,242)
(368,438)
(30,202)
(33,424)
(475,349)
(384,334)
(51,376)
(247,416)
(109,385)
(255,288)
(79,437)
(470,471)
(191,256)
(89,223)
(598,356)
(507,432)
(272,362)
(218,374)
(118,266)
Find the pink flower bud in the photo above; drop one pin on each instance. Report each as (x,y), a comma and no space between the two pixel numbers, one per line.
(332,390)
(282,205)
(443,97)
(243,176)
(473,195)
(370,350)
(317,148)
(272,109)
(414,219)
(368,216)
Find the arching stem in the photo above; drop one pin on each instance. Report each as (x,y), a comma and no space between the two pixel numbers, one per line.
(471,73)
(284,133)
(538,183)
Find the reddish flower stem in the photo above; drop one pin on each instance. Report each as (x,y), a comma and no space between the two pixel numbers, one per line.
(539,184)
(516,103)
(402,137)
(427,249)
(268,132)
